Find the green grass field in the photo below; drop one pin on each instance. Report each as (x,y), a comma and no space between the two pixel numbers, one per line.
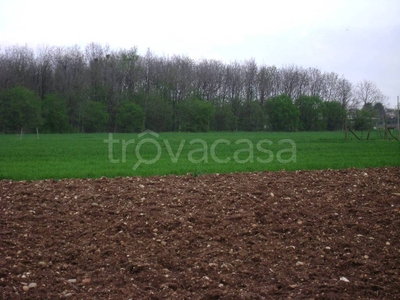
(94,155)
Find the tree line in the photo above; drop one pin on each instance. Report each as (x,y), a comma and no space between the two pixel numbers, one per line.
(98,89)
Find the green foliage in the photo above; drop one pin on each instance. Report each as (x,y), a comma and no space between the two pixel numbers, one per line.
(195,115)
(158,114)
(94,117)
(310,108)
(20,109)
(379,112)
(55,115)
(362,120)
(282,114)
(251,116)
(130,118)
(333,115)
(224,118)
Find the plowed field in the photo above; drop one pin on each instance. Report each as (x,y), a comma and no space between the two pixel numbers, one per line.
(331,234)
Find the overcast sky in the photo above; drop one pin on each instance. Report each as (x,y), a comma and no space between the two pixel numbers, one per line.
(359,39)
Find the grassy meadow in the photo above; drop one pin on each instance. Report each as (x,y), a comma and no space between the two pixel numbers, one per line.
(58,156)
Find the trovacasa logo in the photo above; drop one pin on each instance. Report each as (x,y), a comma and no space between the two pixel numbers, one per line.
(204,151)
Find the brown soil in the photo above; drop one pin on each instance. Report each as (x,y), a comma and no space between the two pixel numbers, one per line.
(271,235)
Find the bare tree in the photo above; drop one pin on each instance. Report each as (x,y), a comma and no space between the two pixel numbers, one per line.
(44,70)
(345,93)
(345,97)
(70,80)
(302,82)
(250,76)
(367,93)
(316,82)
(262,82)
(330,86)
(233,85)
(19,67)
(288,79)
(208,79)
